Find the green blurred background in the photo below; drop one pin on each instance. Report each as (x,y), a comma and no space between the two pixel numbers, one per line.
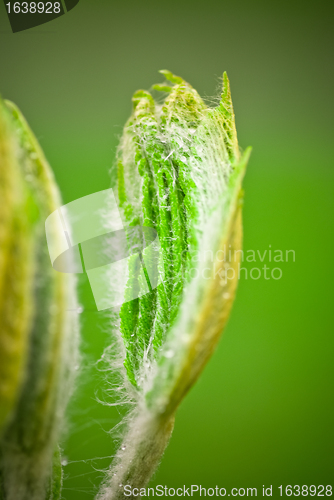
(262,412)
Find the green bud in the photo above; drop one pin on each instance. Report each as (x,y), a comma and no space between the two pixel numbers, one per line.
(179,171)
(38,332)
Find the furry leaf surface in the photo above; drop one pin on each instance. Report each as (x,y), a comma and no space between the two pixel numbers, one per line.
(180,171)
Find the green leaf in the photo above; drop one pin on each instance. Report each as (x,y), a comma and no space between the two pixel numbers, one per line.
(16,269)
(181,173)
(38,333)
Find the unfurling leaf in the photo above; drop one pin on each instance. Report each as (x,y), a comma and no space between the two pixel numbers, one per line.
(179,171)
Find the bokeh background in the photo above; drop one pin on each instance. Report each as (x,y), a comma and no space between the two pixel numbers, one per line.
(262,412)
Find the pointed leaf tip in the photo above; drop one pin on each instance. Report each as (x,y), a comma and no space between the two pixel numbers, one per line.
(226,98)
(226,86)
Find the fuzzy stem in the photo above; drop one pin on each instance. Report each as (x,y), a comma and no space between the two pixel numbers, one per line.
(141,451)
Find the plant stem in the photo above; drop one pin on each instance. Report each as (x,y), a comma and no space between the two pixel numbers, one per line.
(141,451)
